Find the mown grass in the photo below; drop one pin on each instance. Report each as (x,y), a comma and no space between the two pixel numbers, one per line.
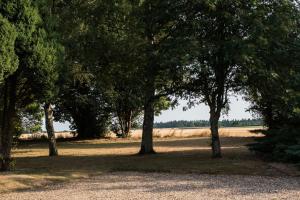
(83,159)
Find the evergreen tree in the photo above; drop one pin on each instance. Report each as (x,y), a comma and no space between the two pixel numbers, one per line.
(9,60)
(28,83)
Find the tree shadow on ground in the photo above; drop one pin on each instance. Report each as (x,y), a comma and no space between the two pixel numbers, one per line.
(165,182)
(237,160)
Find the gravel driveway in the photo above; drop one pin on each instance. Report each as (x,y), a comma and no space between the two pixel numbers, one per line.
(141,186)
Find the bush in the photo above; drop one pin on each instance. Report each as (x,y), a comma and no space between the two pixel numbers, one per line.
(280,144)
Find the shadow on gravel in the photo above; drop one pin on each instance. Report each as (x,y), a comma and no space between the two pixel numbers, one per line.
(166,182)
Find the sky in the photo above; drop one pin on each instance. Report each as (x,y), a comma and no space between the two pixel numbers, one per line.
(201,112)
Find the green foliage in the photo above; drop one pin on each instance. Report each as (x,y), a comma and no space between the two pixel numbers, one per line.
(36,51)
(105,62)
(86,108)
(31,119)
(293,152)
(272,84)
(87,82)
(29,80)
(219,48)
(280,144)
(8,59)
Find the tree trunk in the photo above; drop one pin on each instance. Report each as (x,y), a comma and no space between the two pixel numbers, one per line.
(6,142)
(50,129)
(3,116)
(8,123)
(147,136)
(214,127)
(128,122)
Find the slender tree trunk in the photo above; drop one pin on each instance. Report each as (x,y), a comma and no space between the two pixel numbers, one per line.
(268,116)
(215,139)
(147,136)
(8,124)
(50,129)
(121,123)
(128,122)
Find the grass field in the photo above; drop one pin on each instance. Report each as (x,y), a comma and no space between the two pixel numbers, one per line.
(82,159)
(165,132)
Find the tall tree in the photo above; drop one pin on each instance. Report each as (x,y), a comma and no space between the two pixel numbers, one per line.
(162,54)
(84,98)
(47,9)
(26,84)
(231,38)
(272,85)
(219,51)
(8,65)
(276,61)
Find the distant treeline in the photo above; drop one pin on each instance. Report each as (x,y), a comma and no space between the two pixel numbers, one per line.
(205,123)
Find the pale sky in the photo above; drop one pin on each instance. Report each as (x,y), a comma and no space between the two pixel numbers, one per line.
(201,112)
(238,108)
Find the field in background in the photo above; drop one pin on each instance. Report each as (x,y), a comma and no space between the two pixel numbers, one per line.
(166,132)
(198,132)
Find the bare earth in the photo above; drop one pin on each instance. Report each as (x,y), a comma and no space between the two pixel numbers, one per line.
(133,185)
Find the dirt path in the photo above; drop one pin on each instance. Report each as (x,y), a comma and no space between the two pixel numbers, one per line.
(129,185)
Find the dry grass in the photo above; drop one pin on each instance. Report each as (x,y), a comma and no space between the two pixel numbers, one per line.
(198,132)
(164,133)
(82,159)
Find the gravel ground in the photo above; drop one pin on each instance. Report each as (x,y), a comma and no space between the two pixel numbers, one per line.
(129,185)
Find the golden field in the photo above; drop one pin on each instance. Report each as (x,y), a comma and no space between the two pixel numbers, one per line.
(165,133)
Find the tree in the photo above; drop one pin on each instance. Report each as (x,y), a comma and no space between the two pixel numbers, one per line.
(8,60)
(87,35)
(126,99)
(26,84)
(50,24)
(223,48)
(82,103)
(272,85)
(125,68)
(233,39)
(276,62)
(8,64)
(162,55)
(219,34)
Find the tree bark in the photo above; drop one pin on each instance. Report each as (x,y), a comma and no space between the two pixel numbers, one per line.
(50,129)
(147,136)
(215,139)
(7,124)
(128,122)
